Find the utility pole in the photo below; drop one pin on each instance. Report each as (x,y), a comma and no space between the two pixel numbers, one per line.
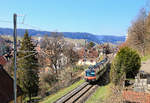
(15,53)
(85,52)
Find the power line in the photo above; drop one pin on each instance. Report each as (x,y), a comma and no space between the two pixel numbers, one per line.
(25,24)
(24,51)
(6,21)
(27,56)
(33,26)
(33,53)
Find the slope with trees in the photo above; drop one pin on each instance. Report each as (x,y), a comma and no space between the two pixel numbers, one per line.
(139,33)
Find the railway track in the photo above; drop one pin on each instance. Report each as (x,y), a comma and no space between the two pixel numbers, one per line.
(79,94)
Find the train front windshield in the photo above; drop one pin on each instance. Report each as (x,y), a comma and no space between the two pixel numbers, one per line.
(90,73)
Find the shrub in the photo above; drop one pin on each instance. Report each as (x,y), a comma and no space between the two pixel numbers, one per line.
(49,78)
(128,62)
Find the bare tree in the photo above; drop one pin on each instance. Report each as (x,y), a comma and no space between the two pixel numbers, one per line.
(60,56)
(137,33)
(53,47)
(148,33)
(72,56)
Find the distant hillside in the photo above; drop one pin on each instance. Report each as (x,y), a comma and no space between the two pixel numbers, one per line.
(72,35)
(111,39)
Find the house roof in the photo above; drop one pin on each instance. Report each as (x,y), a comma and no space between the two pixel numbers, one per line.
(136,97)
(3,60)
(6,87)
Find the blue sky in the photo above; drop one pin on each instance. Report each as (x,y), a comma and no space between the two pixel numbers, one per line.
(101,17)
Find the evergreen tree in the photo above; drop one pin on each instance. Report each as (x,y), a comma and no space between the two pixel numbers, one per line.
(28,77)
(91,45)
(126,63)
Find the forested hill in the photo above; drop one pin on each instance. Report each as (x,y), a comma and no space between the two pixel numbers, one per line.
(73,35)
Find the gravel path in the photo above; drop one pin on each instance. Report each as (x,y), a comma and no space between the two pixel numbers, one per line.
(146,66)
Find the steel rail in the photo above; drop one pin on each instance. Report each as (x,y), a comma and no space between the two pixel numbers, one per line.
(72,93)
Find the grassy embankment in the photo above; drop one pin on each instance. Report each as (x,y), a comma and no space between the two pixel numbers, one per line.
(54,97)
(101,94)
(145,58)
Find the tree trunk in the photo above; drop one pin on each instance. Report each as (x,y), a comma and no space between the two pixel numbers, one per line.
(29,97)
(143,50)
(124,78)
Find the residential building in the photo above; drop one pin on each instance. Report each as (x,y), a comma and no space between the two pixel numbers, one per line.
(6,88)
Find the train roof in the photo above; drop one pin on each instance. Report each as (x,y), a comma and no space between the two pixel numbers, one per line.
(97,64)
(89,70)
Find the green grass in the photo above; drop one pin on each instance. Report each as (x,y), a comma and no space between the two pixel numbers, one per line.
(100,95)
(27,98)
(54,97)
(145,58)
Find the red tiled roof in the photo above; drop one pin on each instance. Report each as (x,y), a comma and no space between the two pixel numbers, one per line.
(3,60)
(138,97)
(6,87)
(91,53)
